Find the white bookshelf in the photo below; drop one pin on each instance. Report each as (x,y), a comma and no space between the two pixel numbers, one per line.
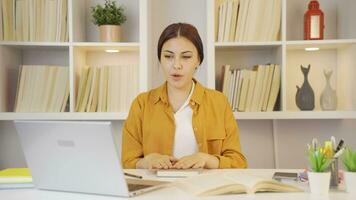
(146,20)
(336,52)
(82,49)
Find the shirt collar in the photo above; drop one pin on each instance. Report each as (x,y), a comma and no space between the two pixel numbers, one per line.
(186,102)
(160,93)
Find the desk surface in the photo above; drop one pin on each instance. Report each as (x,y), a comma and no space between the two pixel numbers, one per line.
(173,193)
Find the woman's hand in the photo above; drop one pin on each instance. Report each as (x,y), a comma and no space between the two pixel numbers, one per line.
(156,161)
(198,160)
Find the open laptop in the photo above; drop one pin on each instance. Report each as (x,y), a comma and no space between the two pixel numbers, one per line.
(77,156)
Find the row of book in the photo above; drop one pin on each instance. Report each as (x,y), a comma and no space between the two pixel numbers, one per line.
(253,90)
(42,88)
(34,20)
(247,20)
(106,88)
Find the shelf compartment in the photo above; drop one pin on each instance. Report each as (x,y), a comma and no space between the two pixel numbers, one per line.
(13,56)
(336,56)
(245,57)
(85,31)
(338,17)
(85,56)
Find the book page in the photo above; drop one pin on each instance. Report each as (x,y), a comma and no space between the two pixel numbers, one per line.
(259,184)
(208,184)
(239,177)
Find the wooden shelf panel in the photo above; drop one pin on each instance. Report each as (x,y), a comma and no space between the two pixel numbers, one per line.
(98,46)
(246,45)
(278,115)
(63,116)
(16,43)
(296,115)
(322,44)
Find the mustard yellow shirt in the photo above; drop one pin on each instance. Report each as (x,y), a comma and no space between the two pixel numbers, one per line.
(150,127)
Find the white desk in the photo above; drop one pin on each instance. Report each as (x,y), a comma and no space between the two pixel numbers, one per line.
(172,193)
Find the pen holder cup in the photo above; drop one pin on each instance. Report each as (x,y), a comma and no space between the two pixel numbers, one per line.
(334,170)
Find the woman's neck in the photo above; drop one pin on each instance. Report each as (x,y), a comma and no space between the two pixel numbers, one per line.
(177,96)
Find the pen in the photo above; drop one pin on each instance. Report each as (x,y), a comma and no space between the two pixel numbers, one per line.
(333,142)
(339,153)
(133,175)
(314,143)
(339,145)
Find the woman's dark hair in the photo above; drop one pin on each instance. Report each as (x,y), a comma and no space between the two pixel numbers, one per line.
(184,30)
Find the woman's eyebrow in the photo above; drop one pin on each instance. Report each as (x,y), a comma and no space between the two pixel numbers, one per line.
(168,51)
(187,52)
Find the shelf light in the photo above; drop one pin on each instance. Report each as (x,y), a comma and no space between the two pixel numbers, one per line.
(112,50)
(312,49)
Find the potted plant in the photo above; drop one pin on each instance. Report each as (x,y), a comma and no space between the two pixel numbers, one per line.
(109,19)
(319,176)
(349,160)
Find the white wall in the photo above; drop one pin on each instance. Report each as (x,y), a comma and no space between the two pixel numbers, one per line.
(171,9)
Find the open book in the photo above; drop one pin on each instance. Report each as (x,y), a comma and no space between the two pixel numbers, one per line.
(231,182)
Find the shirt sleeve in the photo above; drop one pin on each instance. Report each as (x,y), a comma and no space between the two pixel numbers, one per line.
(231,156)
(132,149)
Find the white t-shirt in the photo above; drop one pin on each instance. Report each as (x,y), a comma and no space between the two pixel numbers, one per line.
(184,141)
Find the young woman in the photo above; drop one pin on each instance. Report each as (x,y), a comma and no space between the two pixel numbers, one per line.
(181,124)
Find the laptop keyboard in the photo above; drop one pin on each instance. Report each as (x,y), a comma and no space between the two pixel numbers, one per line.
(134,187)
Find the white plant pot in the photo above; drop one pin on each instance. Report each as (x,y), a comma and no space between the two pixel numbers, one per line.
(350,182)
(319,182)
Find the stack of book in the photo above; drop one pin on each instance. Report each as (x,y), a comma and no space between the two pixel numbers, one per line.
(42,88)
(34,20)
(106,89)
(252,90)
(15,178)
(247,20)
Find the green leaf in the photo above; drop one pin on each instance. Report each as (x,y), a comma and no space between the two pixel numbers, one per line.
(318,161)
(110,14)
(349,159)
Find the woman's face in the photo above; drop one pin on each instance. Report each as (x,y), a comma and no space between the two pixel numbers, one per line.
(179,60)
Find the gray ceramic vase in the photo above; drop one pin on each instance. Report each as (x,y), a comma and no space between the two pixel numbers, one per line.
(304,98)
(328,99)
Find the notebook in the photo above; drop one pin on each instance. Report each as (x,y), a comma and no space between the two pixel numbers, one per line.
(15,178)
